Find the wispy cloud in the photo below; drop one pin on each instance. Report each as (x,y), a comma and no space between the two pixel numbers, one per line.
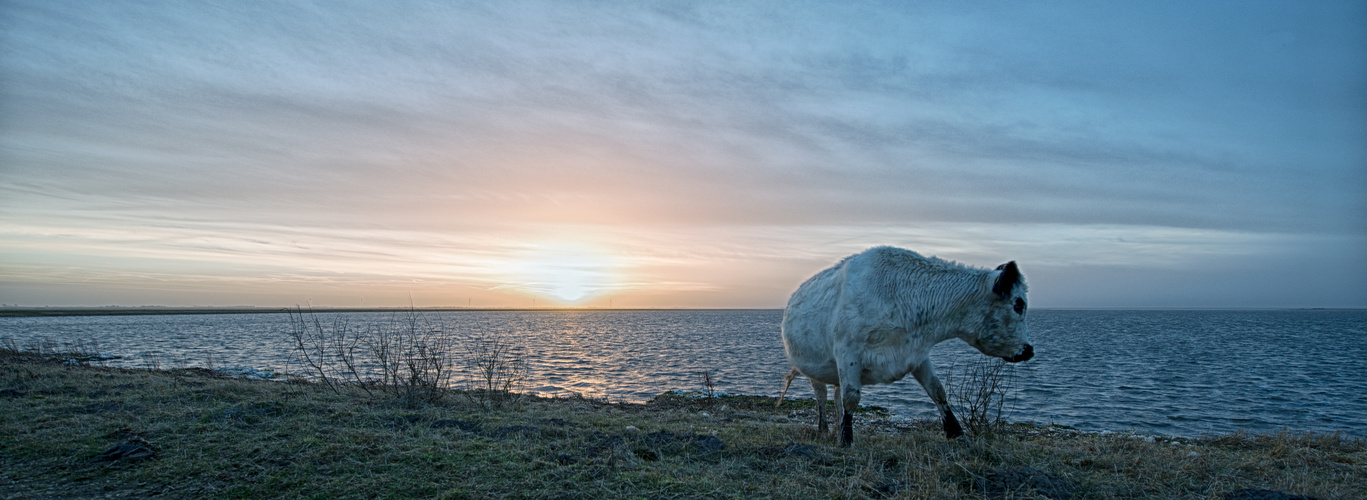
(391,138)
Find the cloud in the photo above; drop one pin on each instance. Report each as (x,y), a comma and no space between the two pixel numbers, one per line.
(377,127)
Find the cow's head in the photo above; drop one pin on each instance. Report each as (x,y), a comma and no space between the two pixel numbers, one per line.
(1003,332)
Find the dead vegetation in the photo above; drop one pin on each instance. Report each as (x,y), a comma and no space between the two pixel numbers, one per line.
(408,357)
(981,389)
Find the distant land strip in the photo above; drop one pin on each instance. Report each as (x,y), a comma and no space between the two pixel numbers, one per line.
(17,312)
(13,312)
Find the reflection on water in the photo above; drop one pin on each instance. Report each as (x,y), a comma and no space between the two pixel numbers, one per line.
(1170,372)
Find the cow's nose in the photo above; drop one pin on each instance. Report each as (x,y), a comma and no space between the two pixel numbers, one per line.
(1026,354)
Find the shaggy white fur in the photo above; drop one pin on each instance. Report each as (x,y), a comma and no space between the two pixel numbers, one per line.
(873,317)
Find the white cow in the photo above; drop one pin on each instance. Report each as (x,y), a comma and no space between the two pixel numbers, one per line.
(873,317)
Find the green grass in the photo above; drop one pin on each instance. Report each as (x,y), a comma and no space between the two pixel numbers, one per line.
(226,438)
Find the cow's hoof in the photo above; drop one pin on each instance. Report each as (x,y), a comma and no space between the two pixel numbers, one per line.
(952,429)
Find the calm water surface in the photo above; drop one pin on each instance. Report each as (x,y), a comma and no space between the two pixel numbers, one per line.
(1183,373)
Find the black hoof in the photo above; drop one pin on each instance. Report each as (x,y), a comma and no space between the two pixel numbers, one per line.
(952,429)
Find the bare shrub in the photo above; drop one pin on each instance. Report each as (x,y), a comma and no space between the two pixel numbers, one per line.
(41,346)
(84,351)
(708,383)
(409,357)
(151,360)
(496,369)
(328,351)
(180,362)
(413,357)
(80,351)
(981,389)
(344,342)
(311,342)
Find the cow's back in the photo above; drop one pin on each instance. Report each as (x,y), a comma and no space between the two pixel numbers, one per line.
(877,290)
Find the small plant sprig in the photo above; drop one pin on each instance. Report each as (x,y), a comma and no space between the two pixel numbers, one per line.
(708,383)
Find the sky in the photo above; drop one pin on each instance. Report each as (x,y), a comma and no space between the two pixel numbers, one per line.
(677,154)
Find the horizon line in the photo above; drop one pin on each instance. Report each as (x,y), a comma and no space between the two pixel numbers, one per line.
(53,311)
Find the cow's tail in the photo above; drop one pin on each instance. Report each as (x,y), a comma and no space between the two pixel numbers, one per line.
(787,382)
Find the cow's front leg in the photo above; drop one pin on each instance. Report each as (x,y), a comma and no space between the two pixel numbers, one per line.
(820,389)
(925,374)
(847,397)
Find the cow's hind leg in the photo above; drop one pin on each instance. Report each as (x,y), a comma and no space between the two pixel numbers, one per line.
(820,390)
(839,408)
(925,374)
(847,396)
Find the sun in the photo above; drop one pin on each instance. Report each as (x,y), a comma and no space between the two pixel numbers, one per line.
(566,271)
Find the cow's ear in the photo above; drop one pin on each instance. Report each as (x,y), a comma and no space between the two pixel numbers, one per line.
(1009,277)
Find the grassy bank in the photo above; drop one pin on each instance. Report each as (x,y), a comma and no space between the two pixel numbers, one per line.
(78,431)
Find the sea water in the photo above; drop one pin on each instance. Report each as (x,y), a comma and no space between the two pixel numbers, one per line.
(1182,373)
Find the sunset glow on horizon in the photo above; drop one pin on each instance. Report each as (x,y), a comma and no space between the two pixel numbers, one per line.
(676,155)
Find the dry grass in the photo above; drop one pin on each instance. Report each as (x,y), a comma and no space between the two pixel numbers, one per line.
(224,438)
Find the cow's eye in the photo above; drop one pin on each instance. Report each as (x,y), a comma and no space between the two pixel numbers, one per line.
(1020,306)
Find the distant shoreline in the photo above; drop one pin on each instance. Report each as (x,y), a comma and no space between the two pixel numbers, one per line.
(30,312)
(149,311)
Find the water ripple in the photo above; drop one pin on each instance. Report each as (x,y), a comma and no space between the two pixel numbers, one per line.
(1173,372)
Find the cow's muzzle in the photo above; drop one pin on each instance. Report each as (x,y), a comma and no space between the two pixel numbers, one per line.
(1025,354)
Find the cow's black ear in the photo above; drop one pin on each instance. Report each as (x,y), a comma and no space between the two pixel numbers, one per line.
(1010,276)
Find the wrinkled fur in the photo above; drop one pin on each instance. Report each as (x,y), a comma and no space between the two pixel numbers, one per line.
(873,318)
